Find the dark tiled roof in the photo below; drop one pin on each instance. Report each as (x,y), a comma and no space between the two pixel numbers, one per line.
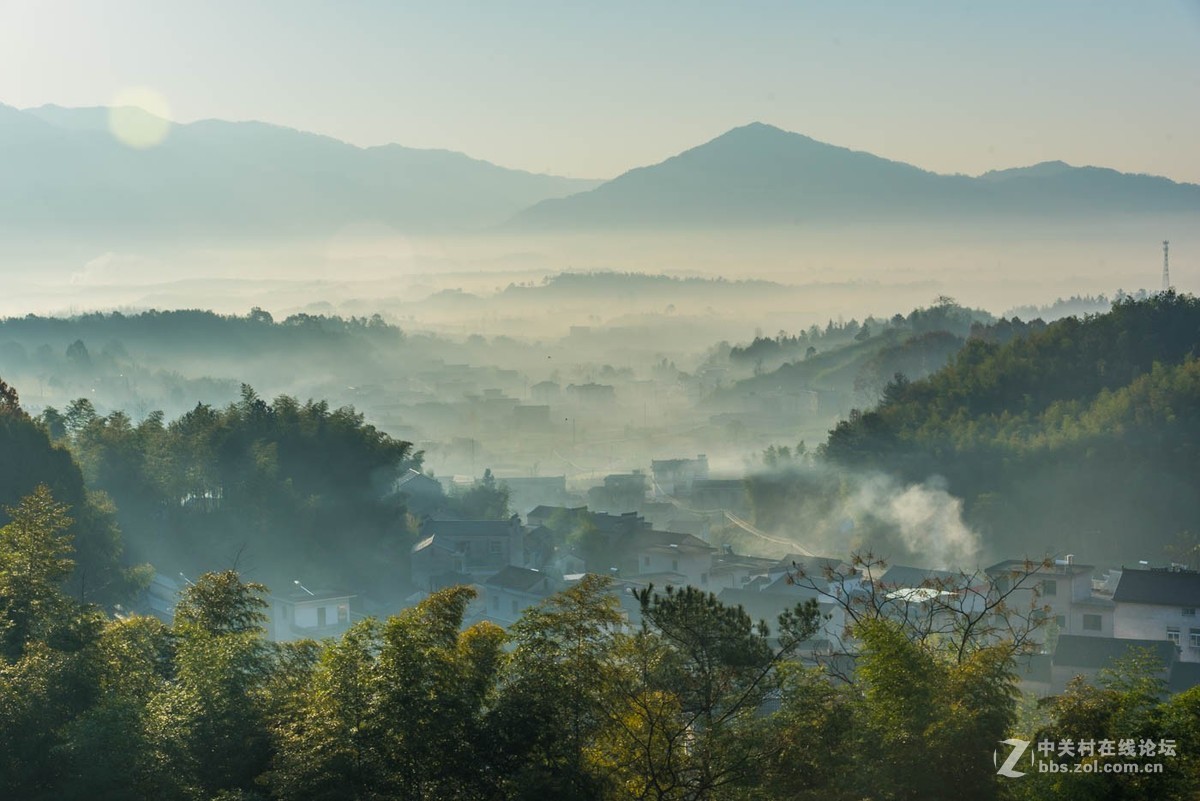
(813,566)
(673,540)
(520,579)
(1077,651)
(1035,566)
(1162,587)
(1184,676)
(411,476)
(467,528)
(760,605)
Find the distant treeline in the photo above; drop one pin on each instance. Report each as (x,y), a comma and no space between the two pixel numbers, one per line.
(190,330)
(944,315)
(1074,306)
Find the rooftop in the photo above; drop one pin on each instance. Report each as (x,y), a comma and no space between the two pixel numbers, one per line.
(1078,651)
(519,579)
(1162,587)
(467,528)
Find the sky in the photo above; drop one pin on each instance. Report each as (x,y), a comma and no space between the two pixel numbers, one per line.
(593,89)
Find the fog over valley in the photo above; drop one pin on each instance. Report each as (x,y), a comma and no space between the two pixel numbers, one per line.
(465,402)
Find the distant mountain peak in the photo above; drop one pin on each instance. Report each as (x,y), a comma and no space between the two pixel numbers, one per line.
(760,174)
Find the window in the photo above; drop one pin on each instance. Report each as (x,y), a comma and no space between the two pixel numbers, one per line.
(1091,623)
(1194,638)
(320,616)
(343,613)
(1049,587)
(1060,621)
(1173,634)
(496,547)
(1189,611)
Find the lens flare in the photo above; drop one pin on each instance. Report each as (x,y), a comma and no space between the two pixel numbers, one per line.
(139,117)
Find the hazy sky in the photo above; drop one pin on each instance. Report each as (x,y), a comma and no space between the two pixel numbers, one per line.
(592,89)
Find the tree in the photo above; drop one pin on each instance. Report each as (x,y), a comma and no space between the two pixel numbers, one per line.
(555,694)
(935,682)
(435,681)
(9,396)
(34,560)
(215,709)
(487,499)
(958,614)
(328,747)
(698,673)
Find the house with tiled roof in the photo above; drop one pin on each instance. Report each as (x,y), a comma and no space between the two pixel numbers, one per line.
(1159,604)
(514,589)
(1077,655)
(474,548)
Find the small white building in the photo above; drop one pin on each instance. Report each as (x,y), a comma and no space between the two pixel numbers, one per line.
(308,614)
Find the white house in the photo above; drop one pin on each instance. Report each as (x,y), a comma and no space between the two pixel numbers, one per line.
(1065,587)
(313,614)
(1159,604)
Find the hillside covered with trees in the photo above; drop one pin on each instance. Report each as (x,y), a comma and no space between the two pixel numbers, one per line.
(281,490)
(1083,437)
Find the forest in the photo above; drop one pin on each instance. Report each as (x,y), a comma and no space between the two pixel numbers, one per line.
(698,702)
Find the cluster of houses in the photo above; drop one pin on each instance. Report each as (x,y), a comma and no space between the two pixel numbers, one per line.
(1092,619)
(1089,618)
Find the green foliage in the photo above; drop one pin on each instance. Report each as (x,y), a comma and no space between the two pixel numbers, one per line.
(31,460)
(263,482)
(487,499)
(1077,434)
(555,694)
(1126,704)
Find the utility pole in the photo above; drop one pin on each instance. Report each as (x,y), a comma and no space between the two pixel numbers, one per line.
(1166,278)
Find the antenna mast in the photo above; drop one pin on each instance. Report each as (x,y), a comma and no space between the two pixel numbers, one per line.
(1166,266)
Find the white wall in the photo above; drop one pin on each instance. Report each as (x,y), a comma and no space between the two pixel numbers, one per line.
(1150,622)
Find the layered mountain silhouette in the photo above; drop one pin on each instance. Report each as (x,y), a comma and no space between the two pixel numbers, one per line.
(761,175)
(63,167)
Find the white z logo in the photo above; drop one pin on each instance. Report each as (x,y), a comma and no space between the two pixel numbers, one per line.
(1018,751)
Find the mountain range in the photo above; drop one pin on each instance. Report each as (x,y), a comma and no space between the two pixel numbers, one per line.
(61,169)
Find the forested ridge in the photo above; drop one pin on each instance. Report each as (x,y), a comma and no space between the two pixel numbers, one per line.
(1083,437)
(282,489)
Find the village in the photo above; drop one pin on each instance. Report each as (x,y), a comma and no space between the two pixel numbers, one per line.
(1079,618)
